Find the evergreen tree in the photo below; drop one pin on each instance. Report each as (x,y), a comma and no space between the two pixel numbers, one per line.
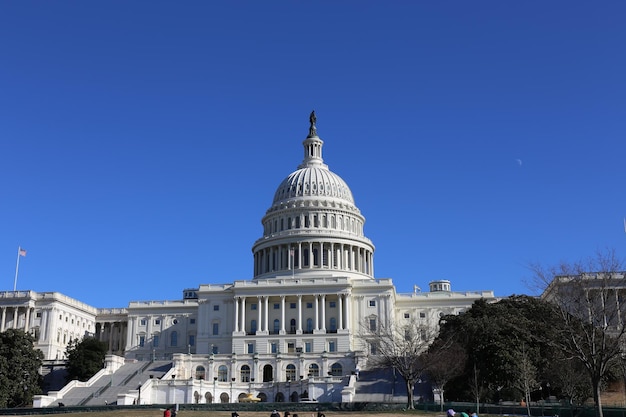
(85,358)
(19,369)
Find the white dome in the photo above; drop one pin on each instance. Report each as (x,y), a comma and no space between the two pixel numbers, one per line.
(312,182)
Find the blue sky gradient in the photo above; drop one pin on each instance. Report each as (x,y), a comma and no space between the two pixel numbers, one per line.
(141,142)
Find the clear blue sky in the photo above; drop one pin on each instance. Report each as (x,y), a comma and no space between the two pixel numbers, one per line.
(141,142)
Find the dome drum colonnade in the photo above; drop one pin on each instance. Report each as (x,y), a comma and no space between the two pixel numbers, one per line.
(313,222)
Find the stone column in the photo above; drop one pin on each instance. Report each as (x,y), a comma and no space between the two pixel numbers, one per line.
(236,314)
(27,319)
(243,314)
(282,312)
(324,313)
(259,326)
(340,315)
(317,312)
(348,311)
(299,330)
(4,318)
(267,302)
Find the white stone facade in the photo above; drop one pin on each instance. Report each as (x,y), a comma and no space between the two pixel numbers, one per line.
(292,331)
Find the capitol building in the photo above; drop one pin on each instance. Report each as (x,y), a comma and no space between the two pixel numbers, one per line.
(290,333)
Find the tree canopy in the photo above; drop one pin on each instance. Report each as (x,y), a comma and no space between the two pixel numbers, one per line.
(19,369)
(85,358)
(508,348)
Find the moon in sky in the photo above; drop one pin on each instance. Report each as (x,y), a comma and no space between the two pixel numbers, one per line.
(519,162)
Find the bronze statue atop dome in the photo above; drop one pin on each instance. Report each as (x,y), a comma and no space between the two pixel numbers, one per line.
(312,129)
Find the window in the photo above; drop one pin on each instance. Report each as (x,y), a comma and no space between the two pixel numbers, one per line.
(290,373)
(336,369)
(276,306)
(200,372)
(292,305)
(314,370)
(142,341)
(143,322)
(155,340)
(250,347)
(192,340)
(372,303)
(291,347)
(332,346)
(222,373)
(292,326)
(157,322)
(253,326)
(422,315)
(174,339)
(308,347)
(214,350)
(309,325)
(333,324)
(373,324)
(373,349)
(216,307)
(309,305)
(245,373)
(192,321)
(253,306)
(38,314)
(276,325)
(175,321)
(273,347)
(333,304)
(407,315)
(216,329)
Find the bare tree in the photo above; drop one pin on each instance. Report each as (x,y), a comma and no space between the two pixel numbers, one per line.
(588,297)
(399,346)
(526,379)
(444,361)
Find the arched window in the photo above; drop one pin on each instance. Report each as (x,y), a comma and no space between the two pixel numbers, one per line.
(309,325)
(209,397)
(316,257)
(245,373)
(336,369)
(314,370)
(290,373)
(268,373)
(276,326)
(222,373)
(174,338)
(224,398)
(200,372)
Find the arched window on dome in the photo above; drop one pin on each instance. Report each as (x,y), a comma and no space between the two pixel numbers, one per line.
(307,222)
(333,222)
(316,257)
(316,222)
(288,223)
(298,222)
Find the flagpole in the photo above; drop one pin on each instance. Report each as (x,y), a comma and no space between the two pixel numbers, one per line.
(17,266)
